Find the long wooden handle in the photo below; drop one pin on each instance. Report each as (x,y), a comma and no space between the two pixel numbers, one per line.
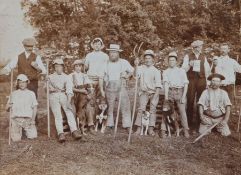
(133,111)
(118,113)
(10,113)
(48,112)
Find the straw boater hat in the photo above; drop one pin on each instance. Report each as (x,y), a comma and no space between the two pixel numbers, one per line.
(29,42)
(97,39)
(115,47)
(215,75)
(149,52)
(197,43)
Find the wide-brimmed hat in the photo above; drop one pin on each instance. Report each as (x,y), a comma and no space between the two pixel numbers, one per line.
(29,42)
(215,75)
(149,52)
(114,47)
(197,43)
(22,77)
(58,61)
(97,39)
(79,62)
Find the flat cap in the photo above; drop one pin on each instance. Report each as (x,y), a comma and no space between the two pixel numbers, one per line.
(197,43)
(80,62)
(58,61)
(172,54)
(149,52)
(29,42)
(22,77)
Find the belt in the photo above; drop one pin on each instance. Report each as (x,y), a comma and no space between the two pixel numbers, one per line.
(213,116)
(62,91)
(175,88)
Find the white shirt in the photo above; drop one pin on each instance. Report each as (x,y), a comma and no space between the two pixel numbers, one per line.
(175,77)
(150,78)
(13,63)
(112,70)
(95,61)
(79,79)
(61,82)
(228,67)
(186,65)
(23,102)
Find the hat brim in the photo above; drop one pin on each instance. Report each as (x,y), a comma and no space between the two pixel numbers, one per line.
(149,54)
(210,77)
(117,50)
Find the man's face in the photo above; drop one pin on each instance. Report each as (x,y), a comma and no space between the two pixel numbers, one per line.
(197,49)
(78,68)
(224,50)
(59,68)
(215,83)
(114,56)
(28,48)
(97,45)
(148,60)
(172,61)
(22,84)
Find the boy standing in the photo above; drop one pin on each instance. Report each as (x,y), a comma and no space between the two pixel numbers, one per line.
(24,109)
(150,85)
(84,102)
(175,87)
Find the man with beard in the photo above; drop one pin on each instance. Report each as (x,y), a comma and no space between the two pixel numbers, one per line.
(113,84)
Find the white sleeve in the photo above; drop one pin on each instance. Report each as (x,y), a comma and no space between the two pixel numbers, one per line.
(128,67)
(11,65)
(69,86)
(236,66)
(185,64)
(34,100)
(40,64)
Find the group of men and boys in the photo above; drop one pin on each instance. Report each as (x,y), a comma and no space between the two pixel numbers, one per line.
(103,77)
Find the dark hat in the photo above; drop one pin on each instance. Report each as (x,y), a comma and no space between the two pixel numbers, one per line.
(215,75)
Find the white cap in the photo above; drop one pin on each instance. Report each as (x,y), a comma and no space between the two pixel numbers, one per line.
(22,77)
(78,62)
(197,43)
(149,52)
(172,54)
(58,61)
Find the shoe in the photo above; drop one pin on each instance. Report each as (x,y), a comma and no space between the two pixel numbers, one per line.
(163,134)
(186,133)
(138,131)
(76,135)
(128,130)
(92,130)
(62,138)
(151,131)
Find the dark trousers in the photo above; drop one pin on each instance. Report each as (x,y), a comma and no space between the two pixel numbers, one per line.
(195,88)
(33,86)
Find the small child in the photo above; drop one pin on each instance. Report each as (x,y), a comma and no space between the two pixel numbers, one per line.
(23,104)
(84,97)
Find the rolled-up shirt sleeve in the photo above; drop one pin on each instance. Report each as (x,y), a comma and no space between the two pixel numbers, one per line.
(69,86)
(184,77)
(158,80)
(185,64)
(40,64)
(203,100)
(237,66)
(165,77)
(34,100)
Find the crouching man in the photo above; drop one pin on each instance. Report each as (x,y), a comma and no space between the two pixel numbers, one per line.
(115,75)
(175,87)
(23,104)
(60,88)
(150,85)
(214,107)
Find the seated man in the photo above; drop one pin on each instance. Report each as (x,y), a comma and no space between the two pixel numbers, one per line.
(214,106)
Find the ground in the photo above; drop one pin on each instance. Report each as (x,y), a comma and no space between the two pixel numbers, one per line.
(102,154)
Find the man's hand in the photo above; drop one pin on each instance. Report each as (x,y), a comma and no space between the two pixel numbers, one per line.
(35,65)
(204,119)
(102,93)
(124,75)
(155,98)
(191,63)
(137,62)
(8,106)
(4,72)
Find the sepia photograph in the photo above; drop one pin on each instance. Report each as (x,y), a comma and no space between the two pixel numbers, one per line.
(120,87)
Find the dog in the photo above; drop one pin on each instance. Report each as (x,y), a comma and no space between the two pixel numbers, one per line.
(101,116)
(145,121)
(170,118)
